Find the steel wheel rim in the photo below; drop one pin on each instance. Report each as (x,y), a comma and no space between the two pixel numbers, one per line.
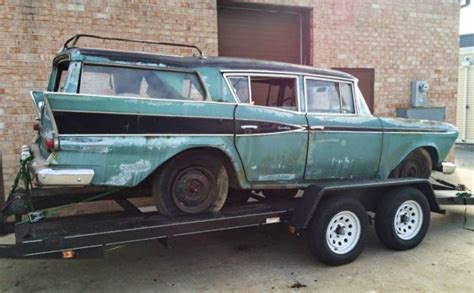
(408,220)
(343,232)
(412,169)
(192,189)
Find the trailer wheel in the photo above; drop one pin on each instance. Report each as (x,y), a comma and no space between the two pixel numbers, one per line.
(194,182)
(402,218)
(337,233)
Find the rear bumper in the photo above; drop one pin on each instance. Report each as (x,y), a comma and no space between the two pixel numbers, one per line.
(46,175)
(49,176)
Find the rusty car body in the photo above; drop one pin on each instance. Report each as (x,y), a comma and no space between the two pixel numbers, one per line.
(200,128)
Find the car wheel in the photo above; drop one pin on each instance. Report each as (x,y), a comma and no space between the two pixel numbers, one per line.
(418,164)
(238,196)
(194,182)
(402,218)
(338,230)
(273,194)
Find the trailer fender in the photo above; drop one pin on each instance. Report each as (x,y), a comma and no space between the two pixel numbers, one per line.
(314,193)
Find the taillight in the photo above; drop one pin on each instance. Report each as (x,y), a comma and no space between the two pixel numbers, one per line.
(36,126)
(50,143)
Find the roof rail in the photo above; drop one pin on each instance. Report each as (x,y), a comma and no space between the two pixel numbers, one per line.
(71,42)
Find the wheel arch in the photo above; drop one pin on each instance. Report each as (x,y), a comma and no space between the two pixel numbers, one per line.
(234,169)
(432,151)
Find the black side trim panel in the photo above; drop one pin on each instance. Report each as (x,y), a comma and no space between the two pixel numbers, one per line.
(104,123)
(107,123)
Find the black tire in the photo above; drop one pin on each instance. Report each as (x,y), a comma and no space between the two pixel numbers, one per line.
(324,219)
(194,182)
(418,164)
(386,212)
(274,194)
(238,196)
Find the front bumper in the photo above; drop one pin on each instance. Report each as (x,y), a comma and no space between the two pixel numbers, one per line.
(448,167)
(46,175)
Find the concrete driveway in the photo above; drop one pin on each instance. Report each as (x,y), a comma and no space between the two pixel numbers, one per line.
(264,259)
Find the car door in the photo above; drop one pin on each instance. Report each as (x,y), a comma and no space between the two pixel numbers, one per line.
(343,144)
(270,130)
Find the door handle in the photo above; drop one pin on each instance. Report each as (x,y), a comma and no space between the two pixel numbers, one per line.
(316,127)
(249,126)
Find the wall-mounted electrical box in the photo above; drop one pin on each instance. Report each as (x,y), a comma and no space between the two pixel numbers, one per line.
(419,93)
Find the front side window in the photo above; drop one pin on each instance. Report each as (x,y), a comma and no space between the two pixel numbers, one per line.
(329,97)
(323,96)
(139,82)
(346,98)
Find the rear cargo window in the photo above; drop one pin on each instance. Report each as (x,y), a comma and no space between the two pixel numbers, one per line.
(61,77)
(139,82)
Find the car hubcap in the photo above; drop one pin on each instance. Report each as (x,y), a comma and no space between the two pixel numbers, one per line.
(343,232)
(408,220)
(411,169)
(193,189)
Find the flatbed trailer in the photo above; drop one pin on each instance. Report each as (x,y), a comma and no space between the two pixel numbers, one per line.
(88,236)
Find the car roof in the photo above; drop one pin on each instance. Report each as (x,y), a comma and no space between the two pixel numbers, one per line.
(223,63)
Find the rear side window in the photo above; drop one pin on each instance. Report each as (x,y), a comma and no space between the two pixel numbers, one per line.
(138,82)
(329,96)
(268,91)
(277,92)
(240,86)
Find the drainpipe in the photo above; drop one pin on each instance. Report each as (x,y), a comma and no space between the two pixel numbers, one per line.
(466,65)
(466,75)
(466,4)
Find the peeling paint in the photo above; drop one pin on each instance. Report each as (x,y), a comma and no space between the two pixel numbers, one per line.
(128,172)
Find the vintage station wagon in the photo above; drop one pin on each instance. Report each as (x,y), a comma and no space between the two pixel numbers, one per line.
(204,129)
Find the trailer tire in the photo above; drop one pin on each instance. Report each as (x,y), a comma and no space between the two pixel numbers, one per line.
(192,183)
(338,231)
(402,218)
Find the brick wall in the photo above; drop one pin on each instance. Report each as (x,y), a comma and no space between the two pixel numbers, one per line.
(403,41)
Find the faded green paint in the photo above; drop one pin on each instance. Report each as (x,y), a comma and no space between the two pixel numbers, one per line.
(338,154)
(126,161)
(287,159)
(274,157)
(397,145)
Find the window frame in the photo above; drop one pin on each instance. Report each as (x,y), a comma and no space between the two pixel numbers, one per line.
(351,83)
(207,96)
(249,75)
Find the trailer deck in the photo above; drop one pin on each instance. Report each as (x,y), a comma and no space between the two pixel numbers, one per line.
(88,236)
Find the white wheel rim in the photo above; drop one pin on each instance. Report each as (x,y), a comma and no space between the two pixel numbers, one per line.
(343,232)
(408,220)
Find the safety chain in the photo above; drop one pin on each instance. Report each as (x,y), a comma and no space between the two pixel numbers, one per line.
(23,176)
(464,196)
